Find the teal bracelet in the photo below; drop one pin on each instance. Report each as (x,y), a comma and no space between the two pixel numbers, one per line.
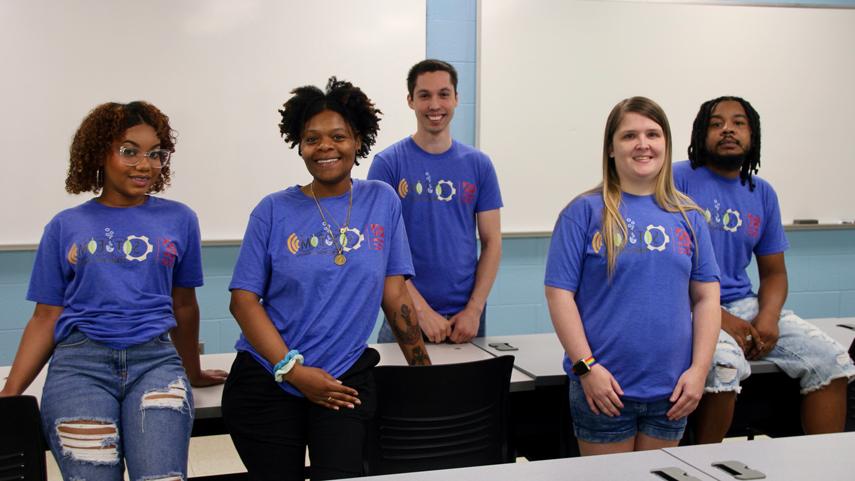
(284,366)
(285,360)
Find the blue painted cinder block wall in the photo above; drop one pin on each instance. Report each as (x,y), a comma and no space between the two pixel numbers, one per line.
(821,263)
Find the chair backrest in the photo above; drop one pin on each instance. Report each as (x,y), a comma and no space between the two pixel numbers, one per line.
(22,449)
(439,417)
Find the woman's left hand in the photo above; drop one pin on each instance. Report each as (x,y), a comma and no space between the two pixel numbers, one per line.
(687,393)
(319,387)
(208,377)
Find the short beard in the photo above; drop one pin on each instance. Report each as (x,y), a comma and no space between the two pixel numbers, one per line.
(728,163)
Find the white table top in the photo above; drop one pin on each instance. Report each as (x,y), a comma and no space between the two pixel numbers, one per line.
(391,355)
(207,400)
(836,327)
(538,355)
(629,466)
(824,457)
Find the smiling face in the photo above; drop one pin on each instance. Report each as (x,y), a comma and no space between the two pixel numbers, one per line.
(638,150)
(433,100)
(328,146)
(126,185)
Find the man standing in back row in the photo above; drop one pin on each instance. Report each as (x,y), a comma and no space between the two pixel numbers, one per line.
(745,220)
(447,190)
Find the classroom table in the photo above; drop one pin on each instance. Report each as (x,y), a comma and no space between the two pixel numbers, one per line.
(445,353)
(207,399)
(824,457)
(627,466)
(541,356)
(537,355)
(841,329)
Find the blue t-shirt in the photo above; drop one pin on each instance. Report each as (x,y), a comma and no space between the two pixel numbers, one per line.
(323,310)
(639,323)
(741,223)
(440,195)
(113,269)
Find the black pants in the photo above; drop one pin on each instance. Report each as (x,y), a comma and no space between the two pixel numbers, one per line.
(271,428)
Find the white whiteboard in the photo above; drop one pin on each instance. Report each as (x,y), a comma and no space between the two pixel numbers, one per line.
(551,70)
(219,68)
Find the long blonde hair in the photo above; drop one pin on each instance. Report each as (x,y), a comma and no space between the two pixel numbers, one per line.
(666,194)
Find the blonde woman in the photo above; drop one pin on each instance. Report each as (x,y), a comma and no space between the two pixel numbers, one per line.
(632,285)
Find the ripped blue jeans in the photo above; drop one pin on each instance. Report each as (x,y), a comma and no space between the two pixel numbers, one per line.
(103,407)
(803,352)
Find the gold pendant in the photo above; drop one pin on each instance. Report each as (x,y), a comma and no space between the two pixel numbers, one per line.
(340,259)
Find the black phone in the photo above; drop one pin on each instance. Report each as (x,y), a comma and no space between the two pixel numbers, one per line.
(502,346)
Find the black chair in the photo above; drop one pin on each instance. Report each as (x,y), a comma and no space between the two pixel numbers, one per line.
(439,417)
(22,448)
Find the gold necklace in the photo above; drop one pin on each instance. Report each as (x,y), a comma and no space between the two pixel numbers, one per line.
(339,259)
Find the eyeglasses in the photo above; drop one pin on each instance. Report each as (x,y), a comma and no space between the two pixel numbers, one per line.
(158,158)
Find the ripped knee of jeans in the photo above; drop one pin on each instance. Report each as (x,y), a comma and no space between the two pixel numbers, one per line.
(173,396)
(724,379)
(167,477)
(89,440)
(725,374)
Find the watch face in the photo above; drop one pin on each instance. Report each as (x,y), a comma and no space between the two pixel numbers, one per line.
(580,368)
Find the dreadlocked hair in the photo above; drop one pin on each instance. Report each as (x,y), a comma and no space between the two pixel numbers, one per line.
(341,97)
(698,154)
(669,199)
(94,139)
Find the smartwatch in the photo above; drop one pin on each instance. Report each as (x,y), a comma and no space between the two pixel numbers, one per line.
(583,366)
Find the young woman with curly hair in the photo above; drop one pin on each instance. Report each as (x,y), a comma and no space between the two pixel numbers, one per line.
(316,263)
(113,278)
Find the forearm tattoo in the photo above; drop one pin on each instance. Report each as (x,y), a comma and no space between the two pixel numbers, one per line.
(409,336)
(407,330)
(418,357)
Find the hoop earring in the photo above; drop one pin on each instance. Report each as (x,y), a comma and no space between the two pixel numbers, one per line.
(99,177)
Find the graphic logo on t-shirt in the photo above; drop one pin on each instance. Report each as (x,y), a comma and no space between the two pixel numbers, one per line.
(684,241)
(72,254)
(378,237)
(168,253)
(445,190)
(753,225)
(137,248)
(347,236)
(321,243)
(134,248)
(597,241)
(731,220)
(469,191)
(655,238)
(293,243)
(630,231)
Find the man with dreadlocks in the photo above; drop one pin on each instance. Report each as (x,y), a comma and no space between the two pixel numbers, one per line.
(745,219)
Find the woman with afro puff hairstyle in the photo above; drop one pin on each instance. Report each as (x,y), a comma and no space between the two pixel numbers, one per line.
(113,278)
(316,263)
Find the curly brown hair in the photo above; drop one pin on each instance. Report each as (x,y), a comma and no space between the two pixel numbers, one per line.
(94,140)
(340,96)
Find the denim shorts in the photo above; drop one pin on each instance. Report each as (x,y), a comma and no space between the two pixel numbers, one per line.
(803,351)
(104,407)
(635,417)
